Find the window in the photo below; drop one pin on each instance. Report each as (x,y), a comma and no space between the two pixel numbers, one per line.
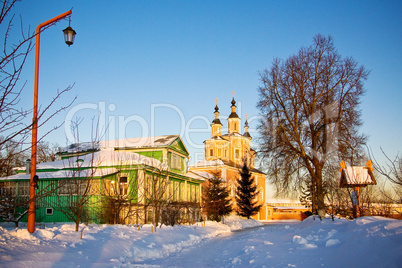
(74,187)
(166,184)
(192,197)
(150,215)
(175,191)
(23,188)
(211,152)
(49,211)
(123,185)
(64,187)
(148,186)
(237,153)
(176,161)
(7,188)
(95,187)
(171,191)
(195,193)
(84,187)
(219,152)
(182,192)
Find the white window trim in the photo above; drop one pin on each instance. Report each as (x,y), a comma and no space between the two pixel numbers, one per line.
(49,214)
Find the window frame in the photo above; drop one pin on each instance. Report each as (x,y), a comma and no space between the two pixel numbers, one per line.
(49,213)
(125,186)
(176,161)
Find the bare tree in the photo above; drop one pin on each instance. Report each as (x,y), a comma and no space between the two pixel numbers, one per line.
(11,155)
(148,196)
(13,125)
(14,198)
(46,152)
(310,114)
(392,170)
(165,201)
(155,193)
(337,199)
(13,206)
(74,195)
(120,195)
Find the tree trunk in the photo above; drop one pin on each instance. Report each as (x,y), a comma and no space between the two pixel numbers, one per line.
(313,190)
(320,193)
(77,224)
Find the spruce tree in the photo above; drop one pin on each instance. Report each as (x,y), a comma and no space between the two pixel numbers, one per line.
(246,194)
(306,197)
(216,201)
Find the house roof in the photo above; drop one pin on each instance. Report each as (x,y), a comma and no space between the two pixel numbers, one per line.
(102,158)
(209,163)
(219,162)
(59,174)
(199,175)
(356,176)
(132,143)
(157,141)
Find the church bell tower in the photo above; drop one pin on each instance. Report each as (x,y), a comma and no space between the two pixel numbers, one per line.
(234,119)
(216,123)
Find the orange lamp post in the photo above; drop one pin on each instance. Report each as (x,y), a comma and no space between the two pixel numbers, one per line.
(69,35)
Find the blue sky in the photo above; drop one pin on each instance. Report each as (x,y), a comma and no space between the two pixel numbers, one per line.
(156,67)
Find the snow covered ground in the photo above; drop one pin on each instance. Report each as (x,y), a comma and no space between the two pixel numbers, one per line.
(365,242)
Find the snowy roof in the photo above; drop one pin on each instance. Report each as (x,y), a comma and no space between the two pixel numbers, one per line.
(96,172)
(140,142)
(290,207)
(209,163)
(199,175)
(284,204)
(102,158)
(218,138)
(219,162)
(282,201)
(123,143)
(232,134)
(356,176)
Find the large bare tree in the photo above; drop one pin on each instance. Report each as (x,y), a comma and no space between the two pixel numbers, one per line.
(17,44)
(15,126)
(309,104)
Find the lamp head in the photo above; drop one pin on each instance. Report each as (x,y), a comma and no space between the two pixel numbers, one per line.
(69,35)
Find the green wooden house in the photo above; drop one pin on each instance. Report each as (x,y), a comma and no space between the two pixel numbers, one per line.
(130,181)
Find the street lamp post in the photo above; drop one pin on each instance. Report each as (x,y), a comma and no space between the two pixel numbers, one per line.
(69,36)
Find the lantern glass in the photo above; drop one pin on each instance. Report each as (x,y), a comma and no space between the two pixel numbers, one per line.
(69,35)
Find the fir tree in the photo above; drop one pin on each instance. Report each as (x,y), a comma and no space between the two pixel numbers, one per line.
(246,194)
(306,197)
(216,201)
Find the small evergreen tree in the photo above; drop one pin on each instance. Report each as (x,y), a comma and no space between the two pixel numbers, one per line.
(306,197)
(246,194)
(216,201)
